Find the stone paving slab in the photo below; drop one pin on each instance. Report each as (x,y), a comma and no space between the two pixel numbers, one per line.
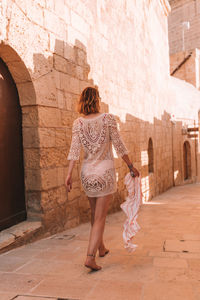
(52,268)
(182,246)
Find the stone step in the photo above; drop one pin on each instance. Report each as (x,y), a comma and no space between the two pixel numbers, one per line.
(19,234)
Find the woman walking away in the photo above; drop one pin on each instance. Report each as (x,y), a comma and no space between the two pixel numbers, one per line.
(96,132)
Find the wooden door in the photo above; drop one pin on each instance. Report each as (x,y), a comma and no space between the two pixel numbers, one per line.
(12,199)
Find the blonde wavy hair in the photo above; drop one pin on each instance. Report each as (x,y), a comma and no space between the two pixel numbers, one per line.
(89,101)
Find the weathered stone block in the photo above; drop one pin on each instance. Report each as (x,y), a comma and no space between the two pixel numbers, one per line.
(35,11)
(72,210)
(54,24)
(62,11)
(75,37)
(30,137)
(66,117)
(74,85)
(74,194)
(15,69)
(70,101)
(29,116)
(47,137)
(49,159)
(34,201)
(32,158)
(65,82)
(60,99)
(33,180)
(45,88)
(79,23)
(81,57)
(49,178)
(27,94)
(69,52)
(72,222)
(53,197)
(54,219)
(61,177)
(49,117)
(43,65)
(61,138)
(62,199)
(56,46)
(60,63)
(22,32)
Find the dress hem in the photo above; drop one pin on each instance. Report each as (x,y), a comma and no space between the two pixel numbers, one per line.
(96,196)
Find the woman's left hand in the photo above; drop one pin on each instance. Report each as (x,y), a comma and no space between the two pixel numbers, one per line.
(134,172)
(68,183)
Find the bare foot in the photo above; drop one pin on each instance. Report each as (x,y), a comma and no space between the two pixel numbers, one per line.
(91,264)
(103,251)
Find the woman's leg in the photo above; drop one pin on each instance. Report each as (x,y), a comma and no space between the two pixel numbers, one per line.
(92,201)
(102,249)
(96,234)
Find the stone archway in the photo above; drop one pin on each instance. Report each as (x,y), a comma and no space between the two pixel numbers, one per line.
(27,101)
(187,160)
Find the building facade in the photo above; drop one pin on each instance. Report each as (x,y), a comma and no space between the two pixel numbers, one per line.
(54,49)
(184,24)
(184,40)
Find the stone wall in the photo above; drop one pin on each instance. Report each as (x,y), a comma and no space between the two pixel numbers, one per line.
(198,160)
(184,11)
(53,50)
(186,66)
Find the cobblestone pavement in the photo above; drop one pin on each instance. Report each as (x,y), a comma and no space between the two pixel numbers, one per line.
(165,266)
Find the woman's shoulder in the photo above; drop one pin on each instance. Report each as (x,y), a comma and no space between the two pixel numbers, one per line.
(106,116)
(110,118)
(109,115)
(76,123)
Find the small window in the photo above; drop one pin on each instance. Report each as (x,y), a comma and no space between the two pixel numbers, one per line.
(150,156)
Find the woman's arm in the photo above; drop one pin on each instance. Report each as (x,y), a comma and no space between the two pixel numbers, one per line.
(134,172)
(120,146)
(68,181)
(74,154)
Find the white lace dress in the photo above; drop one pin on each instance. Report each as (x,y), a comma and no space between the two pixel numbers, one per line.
(96,136)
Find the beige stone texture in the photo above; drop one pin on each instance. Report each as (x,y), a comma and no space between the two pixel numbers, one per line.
(54,24)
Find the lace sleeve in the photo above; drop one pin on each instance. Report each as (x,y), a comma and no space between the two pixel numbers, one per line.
(74,152)
(115,136)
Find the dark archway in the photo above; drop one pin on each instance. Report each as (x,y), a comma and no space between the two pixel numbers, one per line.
(150,156)
(22,80)
(187,160)
(12,191)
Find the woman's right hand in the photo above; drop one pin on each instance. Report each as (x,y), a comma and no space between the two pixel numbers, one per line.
(68,183)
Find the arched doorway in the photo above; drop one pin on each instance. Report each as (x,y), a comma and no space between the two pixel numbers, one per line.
(186,160)
(12,199)
(150,156)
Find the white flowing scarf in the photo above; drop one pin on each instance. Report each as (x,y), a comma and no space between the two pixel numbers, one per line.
(131,207)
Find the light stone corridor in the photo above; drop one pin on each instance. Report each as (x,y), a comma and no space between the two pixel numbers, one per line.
(165,266)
